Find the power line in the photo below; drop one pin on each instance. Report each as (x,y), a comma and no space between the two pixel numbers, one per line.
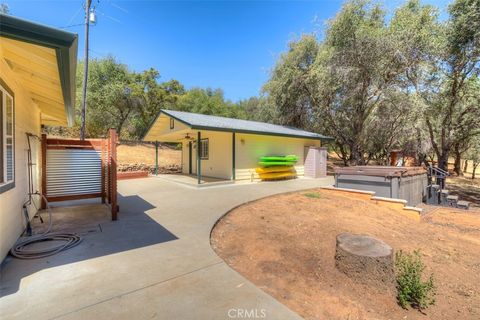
(74,16)
(71,26)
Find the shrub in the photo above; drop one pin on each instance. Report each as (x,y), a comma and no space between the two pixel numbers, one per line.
(412,290)
(315,195)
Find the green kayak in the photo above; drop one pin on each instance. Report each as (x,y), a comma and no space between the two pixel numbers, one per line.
(276,163)
(289,158)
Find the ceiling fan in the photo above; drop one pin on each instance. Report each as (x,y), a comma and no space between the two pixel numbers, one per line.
(187,137)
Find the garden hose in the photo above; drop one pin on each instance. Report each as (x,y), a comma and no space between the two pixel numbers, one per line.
(68,240)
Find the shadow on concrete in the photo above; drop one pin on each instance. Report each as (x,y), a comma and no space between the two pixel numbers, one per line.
(101,237)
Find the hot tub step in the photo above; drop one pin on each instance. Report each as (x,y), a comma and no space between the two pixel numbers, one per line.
(443,197)
(452,201)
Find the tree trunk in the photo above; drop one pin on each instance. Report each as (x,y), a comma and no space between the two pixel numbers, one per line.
(458,163)
(474,169)
(465,166)
(356,155)
(443,161)
(365,259)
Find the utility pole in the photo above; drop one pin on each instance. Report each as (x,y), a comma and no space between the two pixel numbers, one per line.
(85,70)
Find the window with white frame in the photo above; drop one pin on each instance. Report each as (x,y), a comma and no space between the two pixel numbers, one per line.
(7,159)
(204,149)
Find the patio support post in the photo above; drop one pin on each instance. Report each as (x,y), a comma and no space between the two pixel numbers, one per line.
(103,165)
(199,160)
(112,133)
(233,156)
(44,170)
(189,157)
(156,158)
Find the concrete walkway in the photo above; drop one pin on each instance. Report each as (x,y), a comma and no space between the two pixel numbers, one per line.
(154,263)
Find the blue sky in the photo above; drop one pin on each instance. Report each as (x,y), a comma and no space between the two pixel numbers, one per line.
(220,44)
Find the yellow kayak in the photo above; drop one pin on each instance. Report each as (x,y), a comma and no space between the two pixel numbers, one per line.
(275,169)
(277,175)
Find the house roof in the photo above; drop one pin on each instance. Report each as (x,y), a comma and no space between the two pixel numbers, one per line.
(216,123)
(45,59)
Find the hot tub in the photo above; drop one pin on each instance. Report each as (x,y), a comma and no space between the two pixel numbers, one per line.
(408,183)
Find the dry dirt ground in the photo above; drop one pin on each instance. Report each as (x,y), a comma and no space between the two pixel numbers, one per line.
(145,153)
(286,245)
(466,188)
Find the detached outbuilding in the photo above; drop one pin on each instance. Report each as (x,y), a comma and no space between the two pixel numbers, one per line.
(230,149)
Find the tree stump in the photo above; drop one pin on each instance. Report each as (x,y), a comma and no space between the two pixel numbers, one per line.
(365,259)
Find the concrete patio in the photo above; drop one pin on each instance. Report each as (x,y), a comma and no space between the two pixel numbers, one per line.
(192,180)
(154,262)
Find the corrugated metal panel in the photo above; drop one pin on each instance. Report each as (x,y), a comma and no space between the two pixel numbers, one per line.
(73,172)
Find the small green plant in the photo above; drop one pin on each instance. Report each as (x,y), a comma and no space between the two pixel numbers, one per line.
(314,195)
(412,290)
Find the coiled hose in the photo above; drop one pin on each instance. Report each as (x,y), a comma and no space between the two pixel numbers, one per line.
(69,240)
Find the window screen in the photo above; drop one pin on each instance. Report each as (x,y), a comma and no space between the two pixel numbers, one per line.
(9,138)
(7,159)
(204,150)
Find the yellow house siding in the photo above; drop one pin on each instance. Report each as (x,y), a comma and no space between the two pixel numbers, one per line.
(250,147)
(27,119)
(161,127)
(219,163)
(185,157)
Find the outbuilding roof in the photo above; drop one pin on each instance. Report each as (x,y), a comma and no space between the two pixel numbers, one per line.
(216,123)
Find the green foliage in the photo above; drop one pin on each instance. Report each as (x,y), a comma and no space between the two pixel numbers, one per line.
(374,83)
(412,290)
(205,101)
(129,101)
(474,150)
(289,88)
(377,84)
(313,195)
(473,154)
(449,90)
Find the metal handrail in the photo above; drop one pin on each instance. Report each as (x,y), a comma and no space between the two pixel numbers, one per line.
(439,171)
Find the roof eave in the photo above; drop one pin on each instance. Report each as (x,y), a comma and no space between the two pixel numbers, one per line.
(64,43)
(155,120)
(265,133)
